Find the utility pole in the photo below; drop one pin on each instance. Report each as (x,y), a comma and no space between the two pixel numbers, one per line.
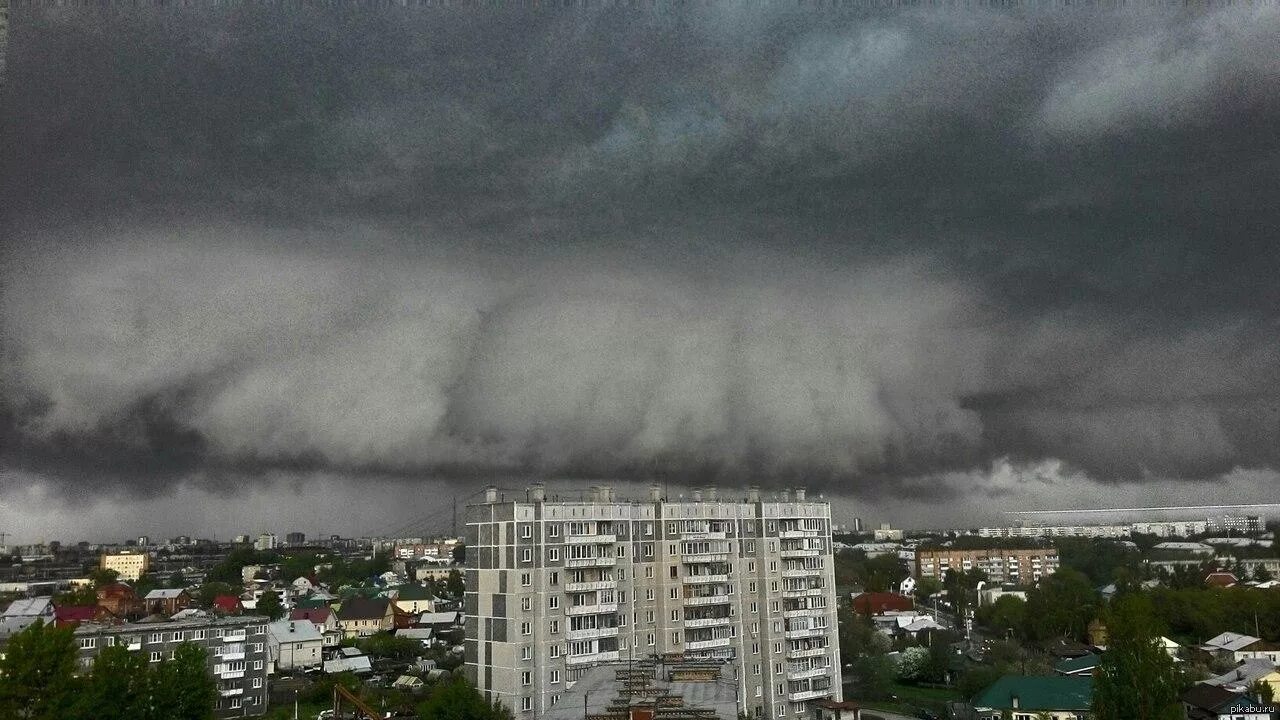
(455,515)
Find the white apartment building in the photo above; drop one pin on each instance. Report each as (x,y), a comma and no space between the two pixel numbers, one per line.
(127,565)
(1084,531)
(557,587)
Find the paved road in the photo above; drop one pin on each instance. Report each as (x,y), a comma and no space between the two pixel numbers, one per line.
(883,715)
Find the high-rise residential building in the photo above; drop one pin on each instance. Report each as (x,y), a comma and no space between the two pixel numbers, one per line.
(557,587)
(1001,565)
(236,649)
(265,541)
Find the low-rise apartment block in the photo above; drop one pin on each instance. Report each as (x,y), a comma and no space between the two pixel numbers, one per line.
(237,649)
(127,565)
(556,588)
(1004,566)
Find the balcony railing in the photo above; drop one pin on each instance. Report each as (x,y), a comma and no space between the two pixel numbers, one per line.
(800,553)
(703,535)
(708,644)
(809,694)
(592,609)
(807,673)
(236,636)
(606,656)
(802,572)
(231,674)
(589,586)
(591,562)
(789,534)
(705,558)
(806,632)
(801,592)
(592,634)
(707,600)
(590,539)
(708,622)
(228,692)
(811,652)
(804,612)
(704,579)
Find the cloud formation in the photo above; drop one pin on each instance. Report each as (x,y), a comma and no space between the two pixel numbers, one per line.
(875,251)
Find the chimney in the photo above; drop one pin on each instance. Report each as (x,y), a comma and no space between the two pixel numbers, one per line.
(538,492)
(608,493)
(655,493)
(1014,702)
(711,494)
(785,495)
(753,494)
(491,494)
(799,494)
(697,495)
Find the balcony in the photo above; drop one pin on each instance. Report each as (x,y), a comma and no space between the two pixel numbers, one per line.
(590,539)
(703,536)
(707,600)
(705,558)
(234,636)
(592,609)
(704,579)
(708,622)
(805,612)
(800,553)
(134,645)
(805,633)
(228,692)
(591,562)
(807,673)
(792,534)
(809,694)
(802,572)
(231,674)
(591,634)
(802,592)
(708,644)
(238,655)
(599,657)
(589,586)
(811,652)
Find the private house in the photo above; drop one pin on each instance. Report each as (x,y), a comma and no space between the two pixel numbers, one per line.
(40,608)
(879,603)
(120,600)
(294,645)
(1259,650)
(837,710)
(227,605)
(1024,697)
(325,621)
(361,617)
(167,601)
(1082,666)
(415,599)
(1242,678)
(1211,702)
(73,615)
(1224,646)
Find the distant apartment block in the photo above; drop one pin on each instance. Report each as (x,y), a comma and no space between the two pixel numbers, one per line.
(128,565)
(1015,567)
(1084,531)
(237,650)
(558,587)
(266,541)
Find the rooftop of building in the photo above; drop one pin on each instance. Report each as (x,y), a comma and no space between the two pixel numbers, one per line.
(614,688)
(168,625)
(1034,693)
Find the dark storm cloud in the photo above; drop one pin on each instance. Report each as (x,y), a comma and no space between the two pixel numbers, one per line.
(726,241)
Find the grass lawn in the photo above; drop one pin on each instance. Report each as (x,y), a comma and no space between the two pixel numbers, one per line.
(910,698)
(306,711)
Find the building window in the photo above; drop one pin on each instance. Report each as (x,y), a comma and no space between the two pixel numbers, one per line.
(555,651)
(525,580)
(88,643)
(553,530)
(675,593)
(257,682)
(526,604)
(555,676)
(257,664)
(526,555)
(648,593)
(553,554)
(526,678)
(526,653)
(526,703)
(555,626)
(155,656)
(526,531)
(554,579)
(526,628)
(651,639)
(553,602)
(648,530)
(157,637)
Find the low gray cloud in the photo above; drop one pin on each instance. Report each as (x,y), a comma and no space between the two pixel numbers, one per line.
(877,251)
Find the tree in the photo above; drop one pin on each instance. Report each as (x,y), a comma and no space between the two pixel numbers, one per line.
(187,679)
(912,663)
(37,674)
(1262,691)
(269,605)
(454,585)
(1261,573)
(458,700)
(102,576)
(459,554)
(927,588)
(210,590)
(1136,678)
(117,687)
(1061,606)
(873,676)
(1008,614)
(176,580)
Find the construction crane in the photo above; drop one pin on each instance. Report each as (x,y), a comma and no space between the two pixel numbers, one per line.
(341,694)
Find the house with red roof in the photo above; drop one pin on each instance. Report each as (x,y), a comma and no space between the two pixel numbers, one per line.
(879,603)
(227,605)
(120,600)
(325,621)
(72,615)
(1220,579)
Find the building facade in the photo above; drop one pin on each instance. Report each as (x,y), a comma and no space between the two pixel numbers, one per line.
(127,565)
(237,650)
(1003,566)
(556,588)
(1084,531)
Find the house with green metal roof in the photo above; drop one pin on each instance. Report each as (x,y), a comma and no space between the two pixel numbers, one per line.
(1084,665)
(1025,697)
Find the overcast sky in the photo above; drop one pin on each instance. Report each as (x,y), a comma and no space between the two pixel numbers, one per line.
(277,267)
